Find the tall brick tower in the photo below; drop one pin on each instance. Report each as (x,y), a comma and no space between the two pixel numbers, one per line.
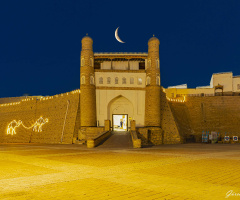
(87,85)
(152,102)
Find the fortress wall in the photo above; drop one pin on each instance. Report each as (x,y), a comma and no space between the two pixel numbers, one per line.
(182,119)
(218,113)
(215,113)
(90,132)
(54,108)
(170,127)
(24,112)
(11,99)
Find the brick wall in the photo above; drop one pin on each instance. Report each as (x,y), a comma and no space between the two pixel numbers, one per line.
(171,130)
(182,119)
(89,132)
(10,99)
(216,113)
(53,108)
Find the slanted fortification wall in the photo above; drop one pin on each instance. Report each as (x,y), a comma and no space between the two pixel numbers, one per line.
(171,131)
(182,119)
(215,113)
(58,123)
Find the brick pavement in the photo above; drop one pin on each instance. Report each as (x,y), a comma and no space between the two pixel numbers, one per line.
(185,171)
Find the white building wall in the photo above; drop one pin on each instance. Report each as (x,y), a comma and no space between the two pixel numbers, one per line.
(106,65)
(120,65)
(225,79)
(134,65)
(236,84)
(104,98)
(120,76)
(135,94)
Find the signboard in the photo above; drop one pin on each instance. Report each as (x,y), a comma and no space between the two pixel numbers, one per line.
(214,137)
(235,138)
(226,138)
(204,137)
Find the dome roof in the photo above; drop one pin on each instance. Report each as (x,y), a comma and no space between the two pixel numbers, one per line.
(153,39)
(86,37)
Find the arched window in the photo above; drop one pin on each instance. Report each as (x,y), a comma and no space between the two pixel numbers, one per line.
(131,80)
(149,63)
(82,62)
(139,81)
(148,81)
(91,62)
(157,63)
(108,80)
(158,80)
(124,81)
(116,80)
(101,80)
(91,80)
(83,80)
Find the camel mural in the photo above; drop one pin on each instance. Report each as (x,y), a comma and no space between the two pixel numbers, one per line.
(36,127)
(11,129)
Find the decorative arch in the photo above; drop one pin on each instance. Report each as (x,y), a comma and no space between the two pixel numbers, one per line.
(92,80)
(149,63)
(83,81)
(82,62)
(148,82)
(101,80)
(91,62)
(131,80)
(124,80)
(108,80)
(120,105)
(158,80)
(157,63)
(116,80)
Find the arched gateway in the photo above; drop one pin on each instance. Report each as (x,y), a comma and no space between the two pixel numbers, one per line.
(120,112)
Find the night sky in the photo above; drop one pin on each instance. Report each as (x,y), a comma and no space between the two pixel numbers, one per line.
(40,41)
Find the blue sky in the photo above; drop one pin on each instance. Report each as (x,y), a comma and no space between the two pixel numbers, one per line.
(40,41)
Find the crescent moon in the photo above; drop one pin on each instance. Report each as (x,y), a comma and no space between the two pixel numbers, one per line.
(117,37)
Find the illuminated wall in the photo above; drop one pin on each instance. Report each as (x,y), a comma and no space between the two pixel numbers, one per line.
(40,120)
(56,119)
(217,113)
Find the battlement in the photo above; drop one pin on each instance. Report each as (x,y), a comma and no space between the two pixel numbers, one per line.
(119,54)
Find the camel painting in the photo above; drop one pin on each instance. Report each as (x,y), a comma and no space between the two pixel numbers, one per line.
(12,126)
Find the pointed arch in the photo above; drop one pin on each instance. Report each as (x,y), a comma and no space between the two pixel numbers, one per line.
(158,80)
(148,82)
(83,81)
(157,63)
(82,62)
(92,80)
(120,105)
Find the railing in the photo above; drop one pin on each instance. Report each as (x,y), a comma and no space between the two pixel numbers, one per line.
(137,143)
(195,95)
(93,142)
(145,53)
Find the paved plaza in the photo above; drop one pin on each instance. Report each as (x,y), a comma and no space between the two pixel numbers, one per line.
(60,171)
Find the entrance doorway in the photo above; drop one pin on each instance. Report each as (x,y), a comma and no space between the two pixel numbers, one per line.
(120,122)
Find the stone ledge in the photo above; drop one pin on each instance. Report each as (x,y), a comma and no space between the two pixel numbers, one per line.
(136,141)
(91,143)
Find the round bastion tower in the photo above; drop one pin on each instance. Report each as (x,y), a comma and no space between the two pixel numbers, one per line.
(87,84)
(152,106)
